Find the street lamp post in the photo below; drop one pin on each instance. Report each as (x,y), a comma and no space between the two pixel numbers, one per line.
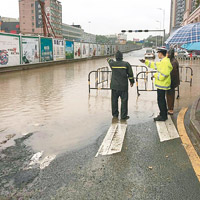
(89,26)
(163,22)
(160,29)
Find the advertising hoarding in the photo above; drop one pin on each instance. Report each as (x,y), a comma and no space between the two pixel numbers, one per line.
(105,50)
(77,50)
(113,49)
(69,50)
(91,50)
(94,49)
(85,50)
(30,50)
(98,50)
(9,50)
(58,49)
(102,49)
(46,47)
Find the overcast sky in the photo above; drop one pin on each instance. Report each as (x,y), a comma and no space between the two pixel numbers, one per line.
(105,17)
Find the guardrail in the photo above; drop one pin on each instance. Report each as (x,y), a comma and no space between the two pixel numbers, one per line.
(148,85)
(101,75)
(184,71)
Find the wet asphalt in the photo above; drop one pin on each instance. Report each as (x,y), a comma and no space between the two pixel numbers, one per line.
(145,169)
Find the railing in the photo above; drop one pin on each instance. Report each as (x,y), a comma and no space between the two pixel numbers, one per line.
(100,77)
(148,83)
(186,74)
(137,68)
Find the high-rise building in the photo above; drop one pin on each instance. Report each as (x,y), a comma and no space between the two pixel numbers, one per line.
(177,12)
(192,13)
(30,16)
(184,12)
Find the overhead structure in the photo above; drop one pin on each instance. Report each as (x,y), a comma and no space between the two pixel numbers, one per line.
(45,21)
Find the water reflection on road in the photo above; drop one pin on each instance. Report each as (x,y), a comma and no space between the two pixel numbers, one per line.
(54,103)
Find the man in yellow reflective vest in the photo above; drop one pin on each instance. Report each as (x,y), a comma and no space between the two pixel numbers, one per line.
(121,73)
(162,80)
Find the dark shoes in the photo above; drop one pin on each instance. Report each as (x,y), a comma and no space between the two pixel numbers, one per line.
(127,117)
(160,119)
(170,113)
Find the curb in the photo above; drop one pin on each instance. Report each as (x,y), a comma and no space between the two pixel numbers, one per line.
(194,123)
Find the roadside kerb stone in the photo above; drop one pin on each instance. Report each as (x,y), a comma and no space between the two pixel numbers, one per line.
(194,120)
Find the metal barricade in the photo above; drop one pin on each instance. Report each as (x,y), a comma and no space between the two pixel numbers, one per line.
(147,85)
(138,68)
(186,74)
(101,75)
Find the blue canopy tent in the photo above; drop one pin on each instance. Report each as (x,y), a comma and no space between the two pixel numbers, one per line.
(191,46)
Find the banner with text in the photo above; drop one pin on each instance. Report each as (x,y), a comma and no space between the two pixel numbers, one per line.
(46,49)
(58,49)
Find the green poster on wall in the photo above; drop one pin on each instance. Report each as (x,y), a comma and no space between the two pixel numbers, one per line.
(46,49)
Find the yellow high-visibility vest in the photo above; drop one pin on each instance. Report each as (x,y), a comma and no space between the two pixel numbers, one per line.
(162,76)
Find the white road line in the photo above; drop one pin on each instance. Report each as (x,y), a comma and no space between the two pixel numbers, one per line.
(35,160)
(167,130)
(113,140)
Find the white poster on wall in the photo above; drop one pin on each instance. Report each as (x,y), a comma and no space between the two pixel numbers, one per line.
(91,50)
(30,50)
(9,50)
(77,50)
(85,50)
(58,49)
(98,50)
(105,49)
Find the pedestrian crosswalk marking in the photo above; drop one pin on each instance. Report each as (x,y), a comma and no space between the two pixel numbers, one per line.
(113,140)
(167,130)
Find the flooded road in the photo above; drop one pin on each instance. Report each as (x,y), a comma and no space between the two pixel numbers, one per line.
(54,104)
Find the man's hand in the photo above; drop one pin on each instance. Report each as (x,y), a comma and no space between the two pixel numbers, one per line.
(131,84)
(142,60)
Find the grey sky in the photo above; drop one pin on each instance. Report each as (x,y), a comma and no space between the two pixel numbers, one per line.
(107,16)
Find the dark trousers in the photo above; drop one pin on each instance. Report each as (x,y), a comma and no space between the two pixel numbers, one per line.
(124,103)
(162,103)
(170,98)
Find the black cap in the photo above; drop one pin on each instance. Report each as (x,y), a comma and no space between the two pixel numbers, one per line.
(161,50)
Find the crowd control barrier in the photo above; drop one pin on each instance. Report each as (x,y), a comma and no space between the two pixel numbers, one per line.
(186,74)
(137,68)
(147,84)
(99,79)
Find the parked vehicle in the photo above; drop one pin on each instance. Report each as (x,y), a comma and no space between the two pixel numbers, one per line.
(150,53)
(183,54)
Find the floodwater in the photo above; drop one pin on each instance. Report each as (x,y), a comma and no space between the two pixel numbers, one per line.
(54,104)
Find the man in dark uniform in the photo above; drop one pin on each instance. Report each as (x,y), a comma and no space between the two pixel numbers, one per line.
(121,73)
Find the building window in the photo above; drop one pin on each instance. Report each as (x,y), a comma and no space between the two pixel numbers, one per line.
(32,5)
(33,30)
(32,23)
(32,11)
(32,17)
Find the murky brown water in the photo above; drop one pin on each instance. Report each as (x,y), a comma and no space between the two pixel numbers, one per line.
(54,103)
